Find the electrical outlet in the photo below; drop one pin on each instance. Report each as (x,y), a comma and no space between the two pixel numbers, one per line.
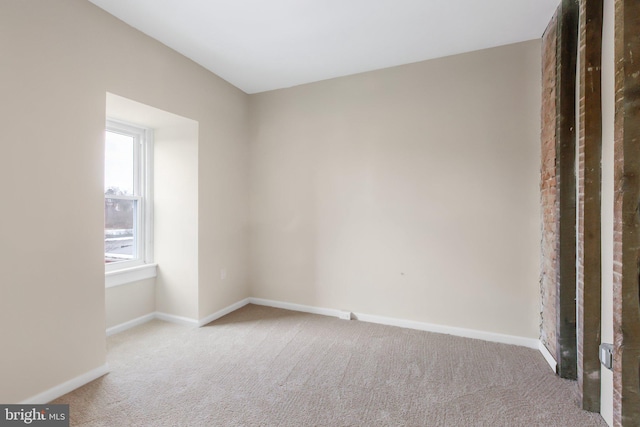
(344,315)
(223,274)
(606,355)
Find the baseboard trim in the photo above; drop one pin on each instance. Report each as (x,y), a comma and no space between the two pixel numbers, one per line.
(66,387)
(548,357)
(450,330)
(220,313)
(302,308)
(130,324)
(185,321)
(410,324)
(342,314)
(179,320)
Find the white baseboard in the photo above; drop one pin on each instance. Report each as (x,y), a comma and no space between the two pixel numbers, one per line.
(130,324)
(450,330)
(422,326)
(218,314)
(342,314)
(186,321)
(548,357)
(66,387)
(302,308)
(83,379)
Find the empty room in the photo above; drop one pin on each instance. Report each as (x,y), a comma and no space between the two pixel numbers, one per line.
(320,213)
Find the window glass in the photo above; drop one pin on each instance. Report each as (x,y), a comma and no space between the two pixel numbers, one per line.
(125,197)
(119,230)
(119,164)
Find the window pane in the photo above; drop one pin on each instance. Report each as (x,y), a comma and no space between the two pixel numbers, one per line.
(118,165)
(119,230)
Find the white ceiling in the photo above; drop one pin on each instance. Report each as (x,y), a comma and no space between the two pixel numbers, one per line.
(260,45)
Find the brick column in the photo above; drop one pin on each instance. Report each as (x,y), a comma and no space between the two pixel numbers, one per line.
(548,192)
(558,189)
(626,265)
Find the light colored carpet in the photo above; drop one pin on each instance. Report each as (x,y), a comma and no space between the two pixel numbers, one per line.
(261,366)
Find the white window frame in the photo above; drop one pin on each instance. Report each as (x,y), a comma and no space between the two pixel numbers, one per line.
(142,266)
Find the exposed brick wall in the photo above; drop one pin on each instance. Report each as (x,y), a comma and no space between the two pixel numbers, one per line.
(626,265)
(589,272)
(558,189)
(548,188)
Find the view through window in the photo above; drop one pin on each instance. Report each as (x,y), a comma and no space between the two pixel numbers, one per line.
(124,194)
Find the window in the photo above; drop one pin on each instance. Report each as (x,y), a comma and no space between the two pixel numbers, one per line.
(127,196)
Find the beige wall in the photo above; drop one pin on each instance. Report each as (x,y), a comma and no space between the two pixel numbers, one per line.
(176,219)
(58,61)
(410,192)
(128,302)
(223,210)
(608,112)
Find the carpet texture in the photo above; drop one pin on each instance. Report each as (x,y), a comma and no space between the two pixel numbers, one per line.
(260,366)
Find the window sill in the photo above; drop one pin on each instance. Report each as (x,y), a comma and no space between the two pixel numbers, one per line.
(129,275)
